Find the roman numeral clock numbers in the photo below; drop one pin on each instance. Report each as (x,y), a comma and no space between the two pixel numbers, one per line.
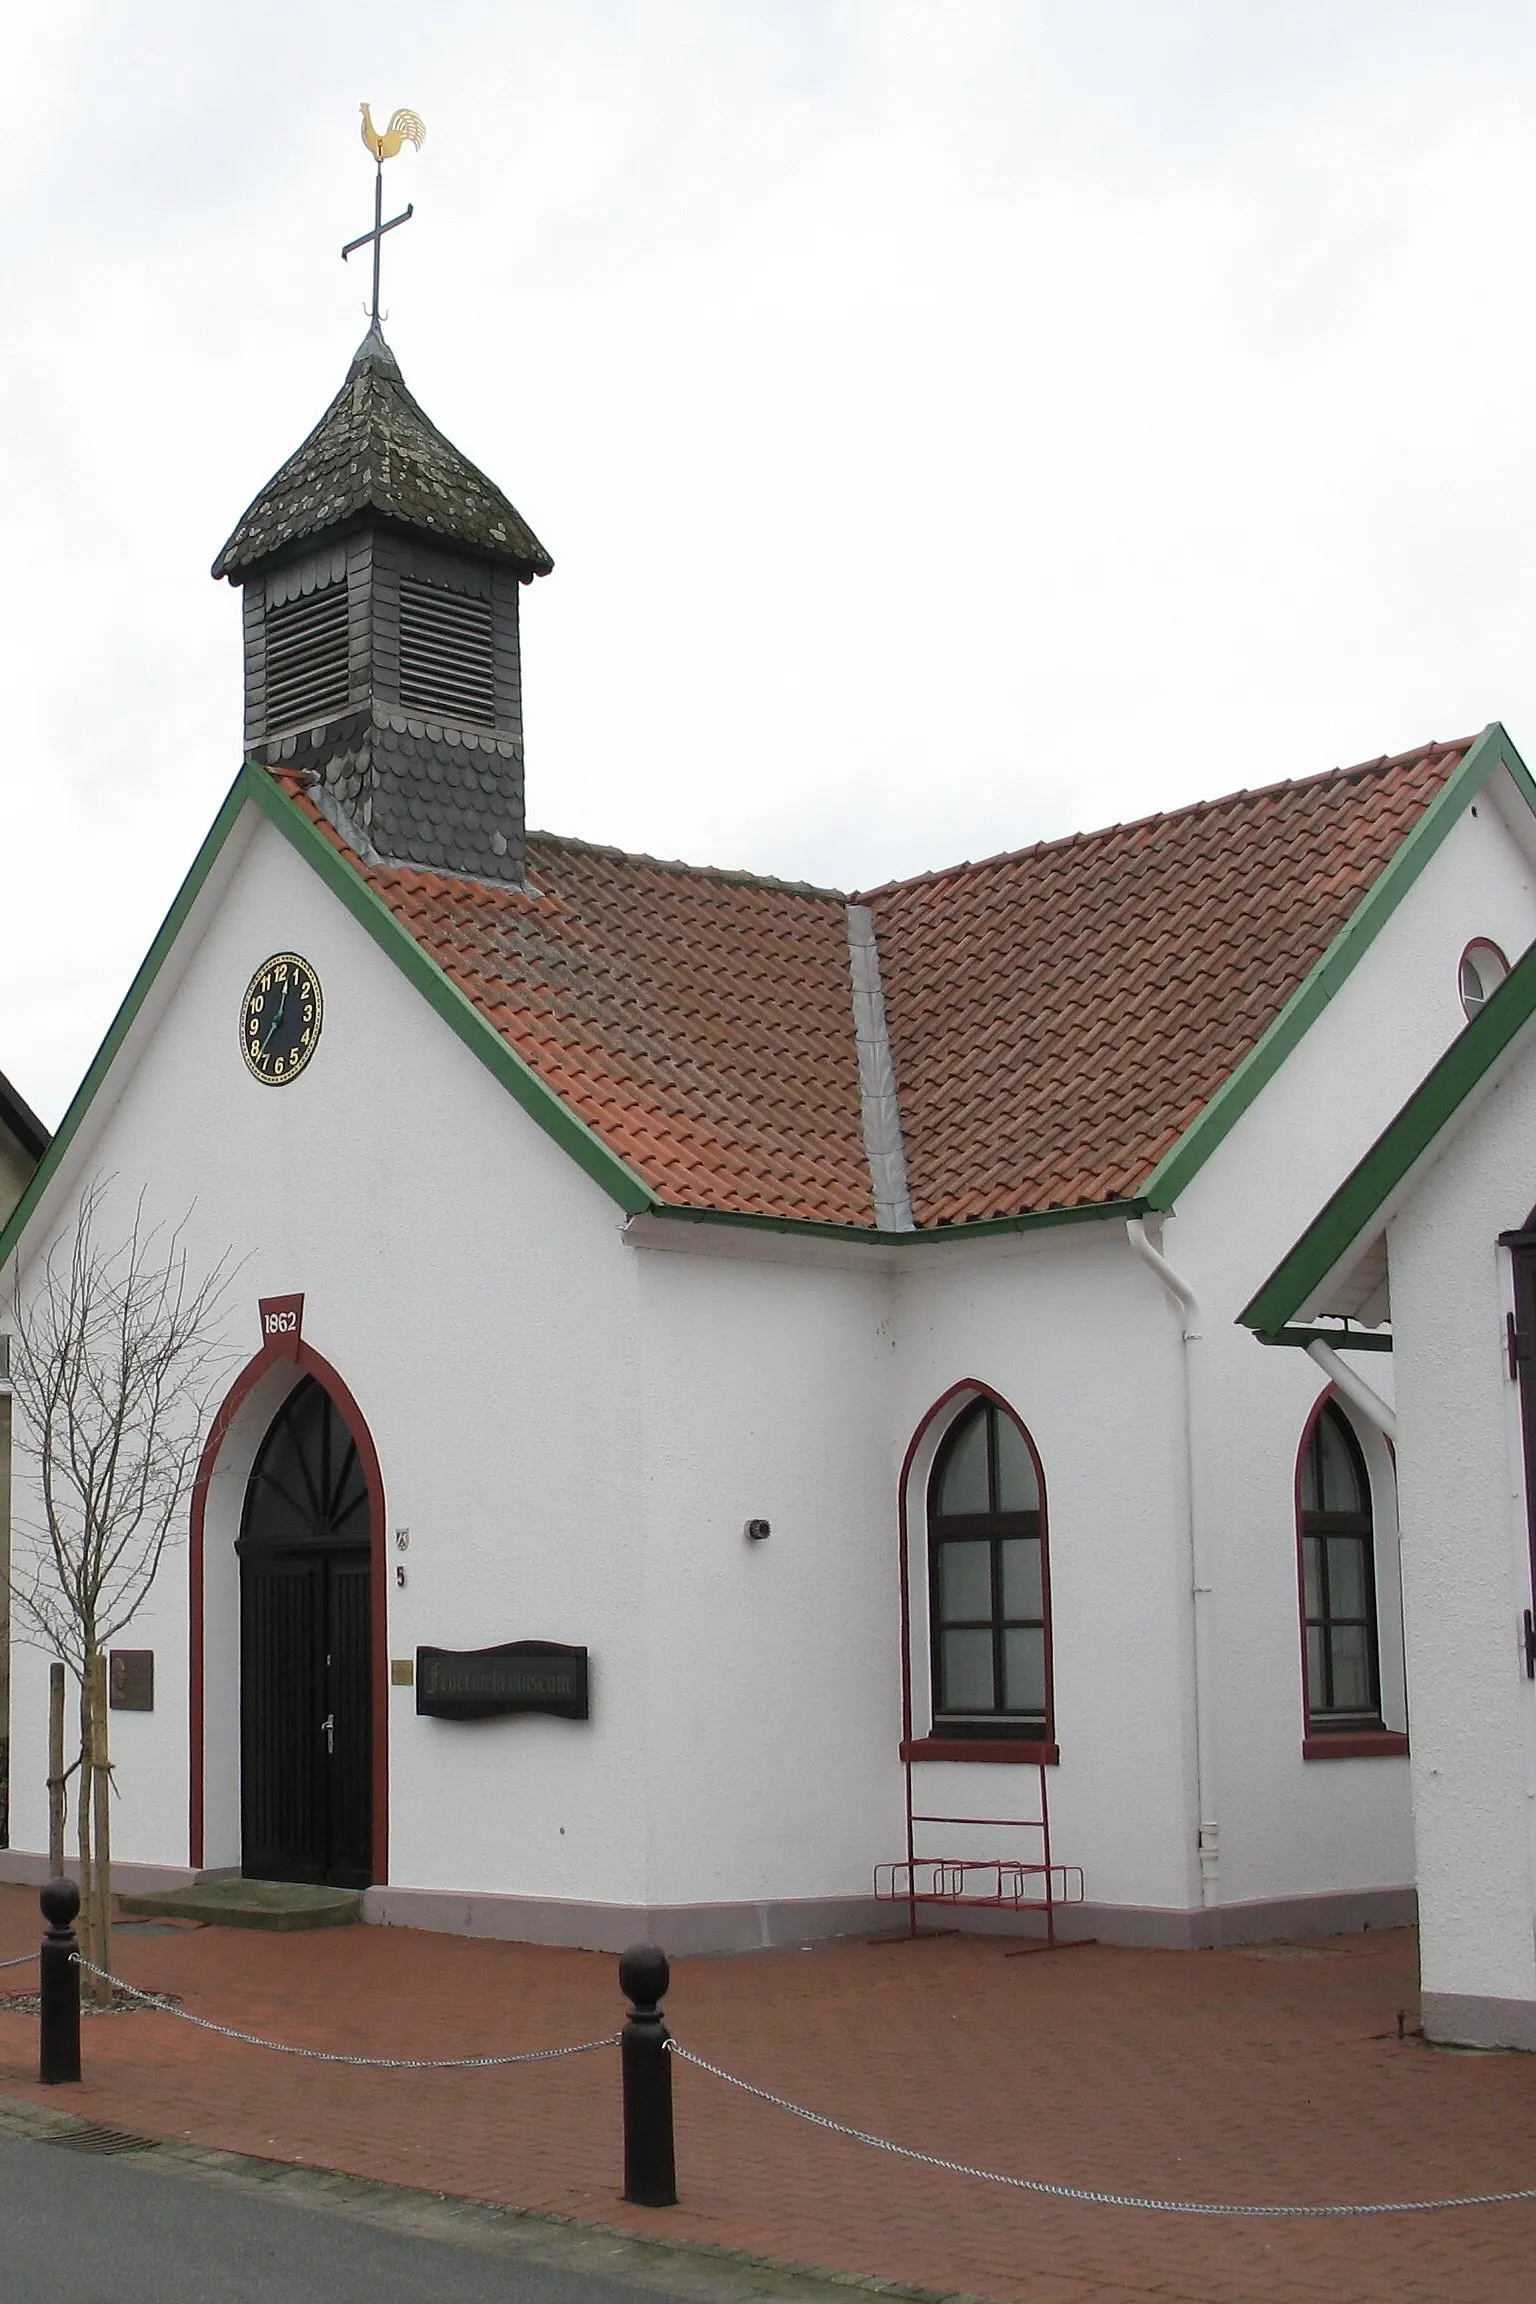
(280,1019)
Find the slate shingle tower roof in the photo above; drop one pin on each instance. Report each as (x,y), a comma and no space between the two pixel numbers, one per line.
(375,454)
(381,574)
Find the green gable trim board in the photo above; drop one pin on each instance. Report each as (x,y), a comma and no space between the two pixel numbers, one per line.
(1364,1197)
(982,1227)
(117,1031)
(1179,1165)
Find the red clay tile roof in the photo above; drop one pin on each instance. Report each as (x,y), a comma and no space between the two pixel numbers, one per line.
(699,1022)
(1061,1015)
(1058,1017)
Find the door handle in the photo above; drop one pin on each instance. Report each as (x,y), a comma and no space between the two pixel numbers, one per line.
(329,1725)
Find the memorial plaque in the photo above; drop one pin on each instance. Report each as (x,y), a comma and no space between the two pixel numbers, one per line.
(485,1683)
(131,1679)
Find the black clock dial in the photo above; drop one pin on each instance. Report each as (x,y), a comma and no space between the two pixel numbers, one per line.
(280,1019)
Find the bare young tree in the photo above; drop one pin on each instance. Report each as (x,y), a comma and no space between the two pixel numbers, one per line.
(116,1361)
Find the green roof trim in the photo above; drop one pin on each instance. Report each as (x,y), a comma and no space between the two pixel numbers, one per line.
(1400,1146)
(254,785)
(982,1227)
(117,1031)
(1182,1162)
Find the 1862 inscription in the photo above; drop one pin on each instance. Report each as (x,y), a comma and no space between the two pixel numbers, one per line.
(484,1683)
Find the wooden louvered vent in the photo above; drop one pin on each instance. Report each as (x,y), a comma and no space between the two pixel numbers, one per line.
(307,657)
(446,665)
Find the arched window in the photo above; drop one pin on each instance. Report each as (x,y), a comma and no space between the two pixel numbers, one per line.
(1338,1576)
(988,1587)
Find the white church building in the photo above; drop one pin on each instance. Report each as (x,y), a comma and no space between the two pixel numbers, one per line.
(730,1369)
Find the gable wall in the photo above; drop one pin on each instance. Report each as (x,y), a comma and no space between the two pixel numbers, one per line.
(1290,1826)
(466,1280)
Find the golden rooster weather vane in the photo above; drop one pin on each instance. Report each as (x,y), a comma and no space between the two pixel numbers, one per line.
(404,128)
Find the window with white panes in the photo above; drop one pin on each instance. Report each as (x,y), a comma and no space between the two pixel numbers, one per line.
(1338,1577)
(989,1608)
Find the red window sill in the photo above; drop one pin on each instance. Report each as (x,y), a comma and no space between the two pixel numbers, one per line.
(1366,1744)
(1010,1749)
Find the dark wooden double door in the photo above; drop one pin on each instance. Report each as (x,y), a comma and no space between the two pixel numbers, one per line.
(306,1696)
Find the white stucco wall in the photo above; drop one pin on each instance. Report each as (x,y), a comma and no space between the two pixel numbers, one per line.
(1034,1319)
(1466,1559)
(1290,1826)
(774,1697)
(466,1280)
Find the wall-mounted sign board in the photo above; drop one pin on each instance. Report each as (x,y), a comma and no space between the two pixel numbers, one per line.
(131,1679)
(485,1683)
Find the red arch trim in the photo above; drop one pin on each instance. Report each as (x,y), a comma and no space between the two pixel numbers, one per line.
(971,1388)
(1369,1743)
(305,1358)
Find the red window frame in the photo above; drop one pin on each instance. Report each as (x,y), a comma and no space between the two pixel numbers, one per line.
(1350,1740)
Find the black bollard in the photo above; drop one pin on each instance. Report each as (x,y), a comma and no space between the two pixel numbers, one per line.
(59,2025)
(650,2167)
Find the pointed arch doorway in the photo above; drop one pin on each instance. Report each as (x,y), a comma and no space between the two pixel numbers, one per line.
(306,1618)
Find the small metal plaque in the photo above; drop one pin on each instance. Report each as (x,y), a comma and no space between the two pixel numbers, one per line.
(282,1325)
(131,1679)
(402,1672)
(485,1683)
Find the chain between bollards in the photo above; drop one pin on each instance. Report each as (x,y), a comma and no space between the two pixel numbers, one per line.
(650,2165)
(59,1988)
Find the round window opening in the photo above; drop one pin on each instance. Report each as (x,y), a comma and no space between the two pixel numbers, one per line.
(1483,970)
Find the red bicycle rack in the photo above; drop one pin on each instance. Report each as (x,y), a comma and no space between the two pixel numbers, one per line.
(1029,1881)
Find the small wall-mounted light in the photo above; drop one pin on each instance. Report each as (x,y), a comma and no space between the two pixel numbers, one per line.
(756,1530)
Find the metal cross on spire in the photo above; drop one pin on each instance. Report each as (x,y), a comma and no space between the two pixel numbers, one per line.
(404,128)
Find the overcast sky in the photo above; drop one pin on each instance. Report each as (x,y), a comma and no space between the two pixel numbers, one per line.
(955,422)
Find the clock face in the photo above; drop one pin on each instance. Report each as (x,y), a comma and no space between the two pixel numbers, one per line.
(280,1019)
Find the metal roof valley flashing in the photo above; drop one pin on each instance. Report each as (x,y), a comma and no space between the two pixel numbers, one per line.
(877,1078)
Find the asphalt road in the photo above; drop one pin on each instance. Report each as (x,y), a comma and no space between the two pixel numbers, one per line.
(76,2228)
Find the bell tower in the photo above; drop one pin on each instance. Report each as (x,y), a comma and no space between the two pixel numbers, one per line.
(381,574)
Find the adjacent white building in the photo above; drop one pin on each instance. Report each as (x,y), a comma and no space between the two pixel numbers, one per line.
(1432,1239)
(809,1320)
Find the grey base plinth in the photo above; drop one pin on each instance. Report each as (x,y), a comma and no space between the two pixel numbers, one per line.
(1473,2020)
(784,1923)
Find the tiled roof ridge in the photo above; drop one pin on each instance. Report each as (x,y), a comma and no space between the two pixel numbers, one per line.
(298,784)
(1435,749)
(739,877)
(735,876)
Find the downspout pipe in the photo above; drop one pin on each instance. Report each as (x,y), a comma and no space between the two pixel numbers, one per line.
(1208,1838)
(1354,1388)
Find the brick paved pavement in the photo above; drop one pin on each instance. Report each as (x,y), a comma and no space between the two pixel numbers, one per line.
(1214,2075)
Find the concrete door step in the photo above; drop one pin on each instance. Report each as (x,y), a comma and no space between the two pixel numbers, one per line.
(274,1904)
